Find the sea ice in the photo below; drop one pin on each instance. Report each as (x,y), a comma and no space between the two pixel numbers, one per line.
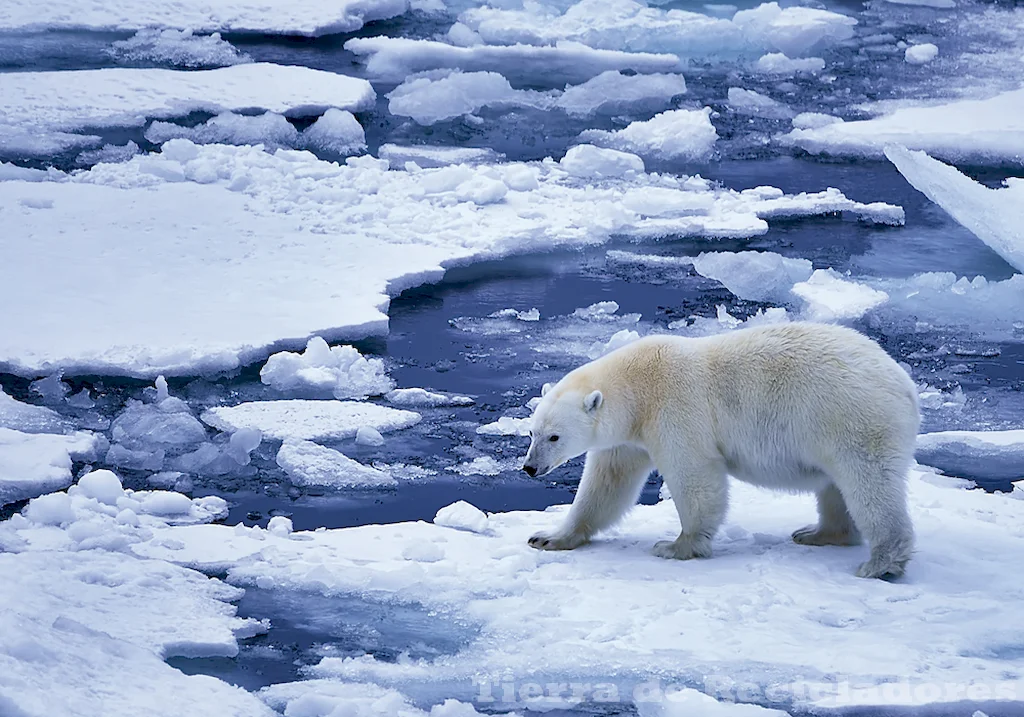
(686,135)
(506,426)
(335,132)
(322,370)
(432,156)
(369,436)
(921,54)
(986,449)
(830,297)
(748,102)
(231,230)
(996,216)
(395,58)
(420,397)
(310,464)
(462,516)
(35,463)
(982,131)
(298,419)
(753,275)
(168,424)
(181,48)
(776,63)
(28,418)
(112,153)
(432,99)
(612,92)
(243,16)
(332,698)
(269,129)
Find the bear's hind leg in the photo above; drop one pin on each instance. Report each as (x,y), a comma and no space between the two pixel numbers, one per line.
(876,497)
(611,483)
(835,526)
(702,498)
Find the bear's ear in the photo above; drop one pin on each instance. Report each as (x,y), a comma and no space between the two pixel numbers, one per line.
(544,389)
(593,401)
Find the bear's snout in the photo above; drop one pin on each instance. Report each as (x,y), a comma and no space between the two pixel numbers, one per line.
(530,470)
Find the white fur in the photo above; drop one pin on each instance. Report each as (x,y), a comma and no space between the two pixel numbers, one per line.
(800,407)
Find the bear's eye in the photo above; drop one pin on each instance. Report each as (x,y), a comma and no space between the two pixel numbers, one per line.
(553,439)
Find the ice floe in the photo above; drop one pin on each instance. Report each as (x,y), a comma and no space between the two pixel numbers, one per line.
(612,92)
(28,418)
(231,230)
(432,99)
(985,131)
(757,276)
(921,54)
(339,371)
(245,16)
(299,419)
(35,463)
(996,453)
(776,63)
(830,297)
(310,464)
(420,397)
(514,595)
(686,135)
(50,104)
(996,216)
(180,48)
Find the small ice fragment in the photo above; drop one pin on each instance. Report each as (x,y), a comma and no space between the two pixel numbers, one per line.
(921,54)
(102,485)
(369,436)
(462,516)
(588,161)
(280,526)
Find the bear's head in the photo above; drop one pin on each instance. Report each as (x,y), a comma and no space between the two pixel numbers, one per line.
(564,426)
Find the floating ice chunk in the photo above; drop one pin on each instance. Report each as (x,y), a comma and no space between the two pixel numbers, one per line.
(35,463)
(462,516)
(628,257)
(480,466)
(673,135)
(748,102)
(794,31)
(180,48)
(481,191)
(776,63)
(506,426)
(428,156)
(121,457)
(52,388)
(432,99)
(724,321)
(996,451)
(987,131)
(241,16)
(335,132)
(323,370)
(752,275)
(395,58)
(829,297)
(414,397)
(164,425)
(612,92)
(269,129)
(921,54)
(586,160)
(28,418)
(280,525)
(618,340)
(813,120)
(70,100)
(528,315)
(369,436)
(996,216)
(601,311)
(26,143)
(309,464)
(298,419)
(111,153)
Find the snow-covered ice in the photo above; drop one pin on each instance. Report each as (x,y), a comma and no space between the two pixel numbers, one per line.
(339,371)
(299,419)
(310,464)
(588,161)
(830,297)
(996,216)
(420,397)
(753,275)
(612,92)
(462,516)
(28,418)
(180,48)
(720,625)
(52,103)
(244,16)
(331,698)
(432,99)
(233,229)
(35,463)
(394,58)
(506,426)
(776,63)
(921,54)
(269,129)
(984,131)
(433,156)
(686,135)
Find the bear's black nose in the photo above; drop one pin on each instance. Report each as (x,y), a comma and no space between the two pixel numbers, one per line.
(530,471)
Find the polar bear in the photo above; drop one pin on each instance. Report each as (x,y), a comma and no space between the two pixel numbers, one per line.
(797,407)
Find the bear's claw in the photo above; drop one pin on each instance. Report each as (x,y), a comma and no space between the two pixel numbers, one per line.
(544,541)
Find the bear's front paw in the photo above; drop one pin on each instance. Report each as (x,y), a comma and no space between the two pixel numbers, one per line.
(556,541)
(683,548)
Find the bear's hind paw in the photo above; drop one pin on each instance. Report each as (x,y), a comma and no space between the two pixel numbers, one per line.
(682,548)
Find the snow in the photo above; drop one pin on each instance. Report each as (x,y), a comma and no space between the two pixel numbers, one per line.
(981,131)
(921,54)
(636,27)
(240,16)
(752,275)
(28,418)
(830,297)
(415,397)
(232,230)
(776,63)
(612,92)
(299,419)
(322,370)
(309,464)
(50,103)
(180,48)
(462,516)
(551,615)
(686,135)
(432,99)
(395,58)
(996,216)
(35,463)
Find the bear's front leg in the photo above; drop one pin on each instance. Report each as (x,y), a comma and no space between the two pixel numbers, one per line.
(701,496)
(611,483)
